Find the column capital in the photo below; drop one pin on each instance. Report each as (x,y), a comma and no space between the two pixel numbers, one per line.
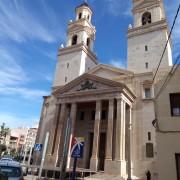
(111,100)
(73,103)
(98,101)
(121,99)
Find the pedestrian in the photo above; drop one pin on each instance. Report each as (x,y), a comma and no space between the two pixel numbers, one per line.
(148,175)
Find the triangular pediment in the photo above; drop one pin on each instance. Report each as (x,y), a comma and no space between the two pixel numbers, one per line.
(145,4)
(109,72)
(88,82)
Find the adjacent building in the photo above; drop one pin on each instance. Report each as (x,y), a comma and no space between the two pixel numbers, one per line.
(168,126)
(30,138)
(111,108)
(16,138)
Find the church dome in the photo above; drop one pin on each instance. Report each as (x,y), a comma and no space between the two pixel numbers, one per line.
(84,4)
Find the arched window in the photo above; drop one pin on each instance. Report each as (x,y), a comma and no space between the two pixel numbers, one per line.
(88,42)
(88,17)
(146,18)
(74,40)
(80,15)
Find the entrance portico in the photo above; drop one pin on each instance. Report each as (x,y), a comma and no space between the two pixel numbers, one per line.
(99,112)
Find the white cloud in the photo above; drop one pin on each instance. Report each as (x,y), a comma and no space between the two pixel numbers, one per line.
(118,7)
(13,78)
(12,120)
(23,92)
(118,63)
(11,72)
(18,23)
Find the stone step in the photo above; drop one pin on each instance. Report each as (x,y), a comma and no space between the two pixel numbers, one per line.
(103,176)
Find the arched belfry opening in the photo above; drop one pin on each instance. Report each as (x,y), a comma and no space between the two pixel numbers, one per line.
(88,42)
(80,15)
(88,17)
(74,39)
(146,18)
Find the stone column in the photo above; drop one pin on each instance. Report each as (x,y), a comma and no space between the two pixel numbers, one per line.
(120,137)
(108,161)
(73,121)
(60,132)
(53,128)
(94,158)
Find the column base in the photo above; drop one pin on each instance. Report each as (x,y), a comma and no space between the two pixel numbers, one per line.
(94,164)
(115,167)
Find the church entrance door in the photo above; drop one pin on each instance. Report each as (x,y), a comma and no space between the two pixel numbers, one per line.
(91,136)
(102,151)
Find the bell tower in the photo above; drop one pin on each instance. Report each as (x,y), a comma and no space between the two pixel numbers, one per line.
(148,36)
(77,57)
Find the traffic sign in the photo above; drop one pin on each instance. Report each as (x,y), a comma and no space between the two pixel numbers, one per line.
(38,147)
(77,147)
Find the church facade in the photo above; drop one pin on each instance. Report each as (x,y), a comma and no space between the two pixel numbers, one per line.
(111,108)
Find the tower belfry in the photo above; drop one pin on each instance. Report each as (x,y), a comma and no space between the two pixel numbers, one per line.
(77,57)
(148,36)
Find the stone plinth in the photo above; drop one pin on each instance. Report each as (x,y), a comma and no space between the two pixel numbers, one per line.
(115,167)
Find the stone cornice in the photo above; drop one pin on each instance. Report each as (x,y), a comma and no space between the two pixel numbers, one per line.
(144,74)
(110,68)
(145,6)
(113,87)
(80,23)
(147,28)
(78,47)
(76,29)
(95,95)
(84,7)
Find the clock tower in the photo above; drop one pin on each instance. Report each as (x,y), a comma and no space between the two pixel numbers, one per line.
(77,57)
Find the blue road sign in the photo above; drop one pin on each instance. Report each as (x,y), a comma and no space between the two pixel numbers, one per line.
(38,147)
(77,147)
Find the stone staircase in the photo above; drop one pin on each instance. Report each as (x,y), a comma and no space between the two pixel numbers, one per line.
(103,176)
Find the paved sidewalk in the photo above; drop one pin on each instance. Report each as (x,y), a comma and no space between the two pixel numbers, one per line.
(30,177)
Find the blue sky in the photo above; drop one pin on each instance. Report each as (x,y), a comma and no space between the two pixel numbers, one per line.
(30,34)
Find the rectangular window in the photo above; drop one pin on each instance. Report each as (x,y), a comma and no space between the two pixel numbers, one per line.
(147,93)
(65,79)
(67,65)
(82,115)
(149,136)
(146,48)
(177,156)
(175,104)
(149,150)
(147,65)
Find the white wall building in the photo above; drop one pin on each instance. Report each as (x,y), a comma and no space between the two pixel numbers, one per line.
(168,127)
(104,101)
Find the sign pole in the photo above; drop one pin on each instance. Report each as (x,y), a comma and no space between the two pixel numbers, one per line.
(74,169)
(44,154)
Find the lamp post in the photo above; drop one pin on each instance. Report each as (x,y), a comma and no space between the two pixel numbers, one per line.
(129,150)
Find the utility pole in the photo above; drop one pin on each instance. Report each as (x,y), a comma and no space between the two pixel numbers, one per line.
(44,154)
